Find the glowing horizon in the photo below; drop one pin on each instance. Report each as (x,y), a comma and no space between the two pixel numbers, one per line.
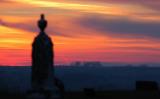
(82,30)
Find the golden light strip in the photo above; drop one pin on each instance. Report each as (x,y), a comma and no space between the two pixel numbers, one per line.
(113,9)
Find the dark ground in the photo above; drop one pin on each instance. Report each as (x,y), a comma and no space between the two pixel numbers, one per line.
(97,95)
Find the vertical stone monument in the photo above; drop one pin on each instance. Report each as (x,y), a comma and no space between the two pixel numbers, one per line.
(42,57)
(42,81)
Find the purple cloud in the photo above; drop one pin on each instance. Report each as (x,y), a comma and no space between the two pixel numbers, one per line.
(122,27)
(34,29)
(23,26)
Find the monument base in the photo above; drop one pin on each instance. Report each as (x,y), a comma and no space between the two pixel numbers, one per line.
(43,94)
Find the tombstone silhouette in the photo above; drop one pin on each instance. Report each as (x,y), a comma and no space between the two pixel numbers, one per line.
(42,57)
(59,84)
(146,86)
(89,92)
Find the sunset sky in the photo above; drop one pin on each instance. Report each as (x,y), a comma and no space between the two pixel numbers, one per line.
(118,31)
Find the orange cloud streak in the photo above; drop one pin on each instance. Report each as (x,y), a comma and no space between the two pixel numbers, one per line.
(15,43)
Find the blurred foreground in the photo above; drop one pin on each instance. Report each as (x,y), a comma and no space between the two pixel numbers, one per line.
(98,95)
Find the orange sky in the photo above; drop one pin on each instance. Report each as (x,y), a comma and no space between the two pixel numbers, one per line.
(82,30)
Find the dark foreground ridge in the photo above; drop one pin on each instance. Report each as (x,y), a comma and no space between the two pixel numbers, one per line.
(97,95)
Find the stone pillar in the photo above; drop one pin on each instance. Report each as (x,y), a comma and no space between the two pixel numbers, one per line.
(42,57)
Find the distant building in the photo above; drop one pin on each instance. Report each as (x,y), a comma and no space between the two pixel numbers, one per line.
(144,65)
(92,64)
(77,63)
(86,64)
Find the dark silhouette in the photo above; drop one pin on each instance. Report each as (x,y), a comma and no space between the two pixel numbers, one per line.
(89,92)
(146,86)
(44,81)
(42,57)
(59,84)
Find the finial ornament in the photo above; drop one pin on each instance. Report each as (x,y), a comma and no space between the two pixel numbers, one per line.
(42,23)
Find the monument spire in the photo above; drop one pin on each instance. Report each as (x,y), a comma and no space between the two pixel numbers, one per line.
(42,59)
(42,23)
(43,62)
